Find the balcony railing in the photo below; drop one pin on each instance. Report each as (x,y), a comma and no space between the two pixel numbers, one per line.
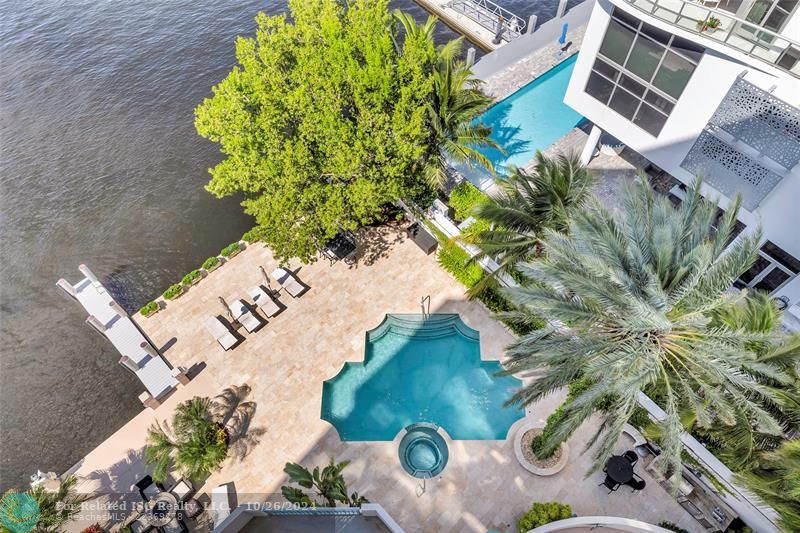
(752,39)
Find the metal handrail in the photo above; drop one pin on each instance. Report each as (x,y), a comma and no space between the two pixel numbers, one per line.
(488,15)
(757,37)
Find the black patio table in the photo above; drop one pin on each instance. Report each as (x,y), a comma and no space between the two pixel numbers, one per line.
(619,469)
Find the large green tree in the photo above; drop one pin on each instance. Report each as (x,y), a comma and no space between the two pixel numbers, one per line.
(323,121)
(635,292)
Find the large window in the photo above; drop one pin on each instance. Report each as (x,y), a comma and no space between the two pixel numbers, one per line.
(641,71)
(773,268)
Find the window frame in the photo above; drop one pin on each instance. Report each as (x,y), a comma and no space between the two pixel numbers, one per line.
(639,33)
(773,264)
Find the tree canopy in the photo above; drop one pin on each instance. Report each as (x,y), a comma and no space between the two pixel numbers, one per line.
(322,122)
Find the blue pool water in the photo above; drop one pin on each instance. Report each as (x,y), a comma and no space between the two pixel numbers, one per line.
(420,371)
(532,118)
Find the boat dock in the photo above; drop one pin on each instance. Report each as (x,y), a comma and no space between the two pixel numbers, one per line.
(109,319)
(480,21)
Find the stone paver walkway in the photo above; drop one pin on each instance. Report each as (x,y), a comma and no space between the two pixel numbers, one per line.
(483,486)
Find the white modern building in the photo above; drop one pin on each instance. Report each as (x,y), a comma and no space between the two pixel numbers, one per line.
(706,88)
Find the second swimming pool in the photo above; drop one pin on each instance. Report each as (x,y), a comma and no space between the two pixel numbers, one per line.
(532,118)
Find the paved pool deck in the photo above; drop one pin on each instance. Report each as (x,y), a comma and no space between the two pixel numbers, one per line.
(483,486)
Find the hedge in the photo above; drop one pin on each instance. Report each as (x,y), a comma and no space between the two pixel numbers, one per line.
(148,308)
(464,198)
(543,513)
(211,262)
(230,249)
(456,260)
(190,277)
(251,236)
(173,291)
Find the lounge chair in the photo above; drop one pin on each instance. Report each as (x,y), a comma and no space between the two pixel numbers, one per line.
(264,301)
(241,313)
(288,281)
(221,503)
(224,337)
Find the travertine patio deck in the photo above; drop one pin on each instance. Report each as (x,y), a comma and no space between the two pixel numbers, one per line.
(483,486)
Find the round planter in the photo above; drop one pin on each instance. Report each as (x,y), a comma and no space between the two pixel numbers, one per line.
(531,467)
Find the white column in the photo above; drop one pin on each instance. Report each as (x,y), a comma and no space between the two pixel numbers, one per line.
(89,274)
(117,308)
(96,324)
(148,349)
(470,56)
(591,145)
(562,8)
(66,287)
(532,23)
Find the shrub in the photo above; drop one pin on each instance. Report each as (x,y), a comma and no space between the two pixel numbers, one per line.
(190,277)
(543,513)
(672,527)
(464,198)
(230,249)
(173,291)
(94,528)
(148,308)
(211,262)
(251,236)
(456,260)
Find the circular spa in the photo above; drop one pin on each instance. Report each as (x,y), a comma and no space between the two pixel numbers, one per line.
(423,451)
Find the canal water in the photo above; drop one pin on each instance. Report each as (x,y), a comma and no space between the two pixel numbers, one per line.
(100,163)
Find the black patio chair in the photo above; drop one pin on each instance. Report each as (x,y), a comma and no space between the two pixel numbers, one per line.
(147,488)
(631,456)
(636,483)
(610,484)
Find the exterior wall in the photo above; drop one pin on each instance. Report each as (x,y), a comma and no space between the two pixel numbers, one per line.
(777,213)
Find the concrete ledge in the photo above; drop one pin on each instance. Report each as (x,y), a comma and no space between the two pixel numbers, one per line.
(609,523)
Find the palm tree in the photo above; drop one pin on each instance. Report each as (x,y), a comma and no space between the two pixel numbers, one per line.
(777,482)
(741,445)
(527,204)
(455,103)
(52,509)
(193,444)
(635,291)
(328,483)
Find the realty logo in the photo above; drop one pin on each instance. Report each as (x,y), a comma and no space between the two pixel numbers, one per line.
(19,512)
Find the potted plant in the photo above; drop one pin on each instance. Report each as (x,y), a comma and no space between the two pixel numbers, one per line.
(195,443)
(149,309)
(709,25)
(192,278)
(211,264)
(250,236)
(94,528)
(231,250)
(173,291)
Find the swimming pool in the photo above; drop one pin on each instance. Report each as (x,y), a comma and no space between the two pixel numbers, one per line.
(417,370)
(532,118)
